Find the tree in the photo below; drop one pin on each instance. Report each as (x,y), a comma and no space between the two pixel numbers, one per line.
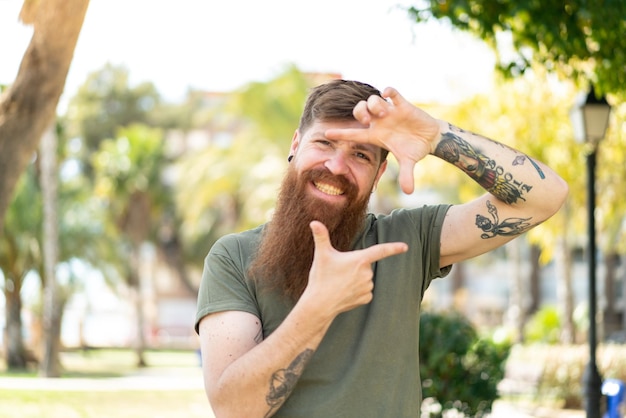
(51,311)
(529,114)
(84,234)
(128,178)
(28,106)
(579,39)
(106,102)
(20,254)
(231,185)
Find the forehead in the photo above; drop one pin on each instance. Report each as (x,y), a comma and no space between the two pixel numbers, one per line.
(318,128)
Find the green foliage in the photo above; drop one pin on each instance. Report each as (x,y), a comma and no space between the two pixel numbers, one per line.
(131,161)
(544,326)
(105,103)
(232,184)
(531,115)
(459,369)
(20,243)
(273,107)
(128,174)
(578,38)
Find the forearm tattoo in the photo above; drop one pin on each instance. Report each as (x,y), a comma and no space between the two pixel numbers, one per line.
(484,170)
(283,381)
(494,227)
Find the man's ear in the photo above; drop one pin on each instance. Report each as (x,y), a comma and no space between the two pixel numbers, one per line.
(295,141)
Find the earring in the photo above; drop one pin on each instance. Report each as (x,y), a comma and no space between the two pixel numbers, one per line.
(289,158)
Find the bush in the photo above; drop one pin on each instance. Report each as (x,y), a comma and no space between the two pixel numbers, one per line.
(544,326)
(561,382)
(459,370)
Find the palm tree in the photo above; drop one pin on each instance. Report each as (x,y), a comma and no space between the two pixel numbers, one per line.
(128,180)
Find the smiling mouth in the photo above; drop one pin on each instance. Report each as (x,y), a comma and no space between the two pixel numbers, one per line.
(328,189)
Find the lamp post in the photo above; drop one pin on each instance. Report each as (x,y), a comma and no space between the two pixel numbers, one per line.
(590,117)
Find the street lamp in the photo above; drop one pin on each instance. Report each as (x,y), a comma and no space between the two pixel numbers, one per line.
(590,118)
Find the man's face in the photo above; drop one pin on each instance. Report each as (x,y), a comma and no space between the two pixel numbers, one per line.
(359,164)
(327,181)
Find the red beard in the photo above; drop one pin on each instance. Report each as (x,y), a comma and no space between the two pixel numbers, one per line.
(285,253)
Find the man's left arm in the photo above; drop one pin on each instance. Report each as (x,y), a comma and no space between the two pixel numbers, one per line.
(521,193)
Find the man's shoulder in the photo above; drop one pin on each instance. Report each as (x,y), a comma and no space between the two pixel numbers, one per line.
(415,212)
(243,235)
(241,241)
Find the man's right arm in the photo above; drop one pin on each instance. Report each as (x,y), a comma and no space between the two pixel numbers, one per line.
(246,376)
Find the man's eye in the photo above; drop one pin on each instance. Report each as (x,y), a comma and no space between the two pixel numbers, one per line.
(362,156)
(323,142)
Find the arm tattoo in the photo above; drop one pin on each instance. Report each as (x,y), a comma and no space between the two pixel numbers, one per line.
(539,170)
(283,381)
(493,227)
(519,160)
(485,171)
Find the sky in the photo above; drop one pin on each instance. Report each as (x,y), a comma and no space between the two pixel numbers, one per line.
(222,45)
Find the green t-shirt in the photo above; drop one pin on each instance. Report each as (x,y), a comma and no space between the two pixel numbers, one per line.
(367,364)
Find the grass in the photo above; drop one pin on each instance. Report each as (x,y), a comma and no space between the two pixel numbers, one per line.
(83,404)
(104,365)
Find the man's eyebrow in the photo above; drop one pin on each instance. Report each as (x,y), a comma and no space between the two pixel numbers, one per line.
(358,145)
(355,145)
(365,147)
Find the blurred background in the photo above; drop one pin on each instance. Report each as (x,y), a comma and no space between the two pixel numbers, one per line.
(156,127)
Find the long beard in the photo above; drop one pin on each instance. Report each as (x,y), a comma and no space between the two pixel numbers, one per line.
(285,254)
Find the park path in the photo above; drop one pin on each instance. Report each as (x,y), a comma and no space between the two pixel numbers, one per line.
(155,379)
(148,379)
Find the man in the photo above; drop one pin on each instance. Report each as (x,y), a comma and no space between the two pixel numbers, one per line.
(316,314)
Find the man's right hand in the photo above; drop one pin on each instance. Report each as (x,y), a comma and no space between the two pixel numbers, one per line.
(344,280)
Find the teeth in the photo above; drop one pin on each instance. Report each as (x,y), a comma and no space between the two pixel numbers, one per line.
(328,189)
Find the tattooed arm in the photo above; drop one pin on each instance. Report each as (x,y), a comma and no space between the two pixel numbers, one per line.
(522,192)
(248,376)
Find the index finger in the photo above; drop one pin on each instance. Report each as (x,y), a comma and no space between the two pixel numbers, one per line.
(380,251)
(360,135)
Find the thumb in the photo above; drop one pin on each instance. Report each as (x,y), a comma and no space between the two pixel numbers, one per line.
(406,176)
(393,95)
(320,235)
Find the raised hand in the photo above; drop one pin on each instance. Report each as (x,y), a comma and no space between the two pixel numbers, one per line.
(395,124)
(343,280)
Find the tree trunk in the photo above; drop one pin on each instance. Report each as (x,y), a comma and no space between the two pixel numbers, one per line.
(50,364)
(535,288)
(457,278)
(29,105)
(172,253)
(611,316)
(14,343)
(565,296)
(138,299)
(516,311)
(623,281)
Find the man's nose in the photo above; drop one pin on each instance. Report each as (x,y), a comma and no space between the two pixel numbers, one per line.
(337,163)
